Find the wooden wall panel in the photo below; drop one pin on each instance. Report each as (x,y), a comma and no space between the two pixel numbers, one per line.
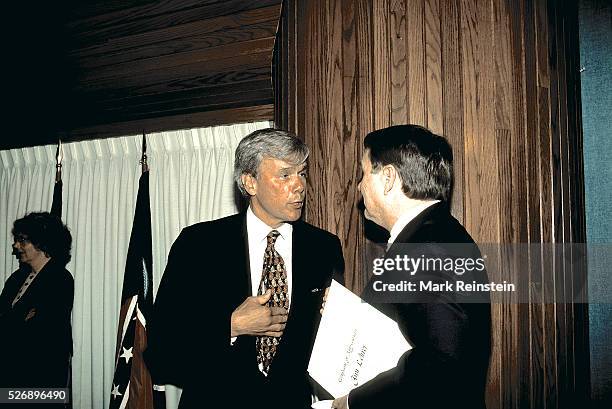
(415,44)
(512,196)
(143,60)
(381,43)
(399,91)
(157,15)
(433,66)
(203,33)
(452,94)
(358,115)
(185,121)
(499,79)
(170,58)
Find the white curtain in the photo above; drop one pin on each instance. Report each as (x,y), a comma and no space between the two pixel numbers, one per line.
(190,181)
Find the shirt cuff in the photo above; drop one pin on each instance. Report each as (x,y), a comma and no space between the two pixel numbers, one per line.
(232,340)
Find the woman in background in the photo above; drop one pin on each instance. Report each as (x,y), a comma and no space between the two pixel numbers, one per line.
(36,304)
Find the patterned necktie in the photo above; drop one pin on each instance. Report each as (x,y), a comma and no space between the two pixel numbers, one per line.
(274,277)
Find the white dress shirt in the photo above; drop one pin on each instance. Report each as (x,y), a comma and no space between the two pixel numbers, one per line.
(257,231)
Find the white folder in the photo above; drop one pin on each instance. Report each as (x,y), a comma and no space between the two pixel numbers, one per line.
(354,343)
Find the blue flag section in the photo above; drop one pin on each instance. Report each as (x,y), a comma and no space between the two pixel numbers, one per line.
(132,386)
(56,210)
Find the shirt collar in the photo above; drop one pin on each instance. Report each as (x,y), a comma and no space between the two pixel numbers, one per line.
(260,230)
(407,217)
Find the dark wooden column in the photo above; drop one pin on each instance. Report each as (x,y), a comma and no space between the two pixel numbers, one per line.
(500,80)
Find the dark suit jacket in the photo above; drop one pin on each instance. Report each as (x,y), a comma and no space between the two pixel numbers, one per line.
(451,339)
(36,351)
(206,278)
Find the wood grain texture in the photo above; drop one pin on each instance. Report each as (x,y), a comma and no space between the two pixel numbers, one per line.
(499,79)
(183,121)
(506,337)
(381,45)
(397,40)
(452,94)
(217,71)
(481,189)
(565,352)
(415,46)
(433,66)
(169,60)
(87,64)
(157,15)
(581,373)
(153,59)
(546,122)
(358,119)
(211,31)
(365,123)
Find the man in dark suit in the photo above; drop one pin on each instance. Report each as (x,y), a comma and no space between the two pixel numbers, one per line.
(35,306)
(238,305)
(406,187)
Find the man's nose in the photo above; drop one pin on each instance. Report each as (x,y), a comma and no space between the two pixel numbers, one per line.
(299,185)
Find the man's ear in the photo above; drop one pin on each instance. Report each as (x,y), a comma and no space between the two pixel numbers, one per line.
(389,178)
(249,183)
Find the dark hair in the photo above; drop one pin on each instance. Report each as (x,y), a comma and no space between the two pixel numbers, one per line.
(47,233)
(270,143)
(423,159)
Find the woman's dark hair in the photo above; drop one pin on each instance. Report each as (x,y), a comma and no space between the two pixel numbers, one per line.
(47,233)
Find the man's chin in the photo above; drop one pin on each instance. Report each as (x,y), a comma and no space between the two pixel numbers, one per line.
(369,217)
(294,215)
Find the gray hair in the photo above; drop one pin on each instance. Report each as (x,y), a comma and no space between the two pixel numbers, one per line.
(266,143)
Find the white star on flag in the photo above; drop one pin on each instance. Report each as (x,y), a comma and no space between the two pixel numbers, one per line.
(115,391)
(127,354)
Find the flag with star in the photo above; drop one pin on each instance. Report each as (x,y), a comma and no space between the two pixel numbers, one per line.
(132,386)
(56,210)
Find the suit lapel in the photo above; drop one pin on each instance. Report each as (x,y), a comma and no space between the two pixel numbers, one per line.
(234,259)
(298,263)
(243,248)
(297,301)
(408,232)
(37,285)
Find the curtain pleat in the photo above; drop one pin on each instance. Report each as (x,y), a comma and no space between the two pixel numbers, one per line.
(191,180)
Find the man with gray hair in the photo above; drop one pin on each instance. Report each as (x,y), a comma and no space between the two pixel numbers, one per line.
(238,305)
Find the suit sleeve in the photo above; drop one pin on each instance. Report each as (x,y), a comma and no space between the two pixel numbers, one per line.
(444,335)
(337,260)
(166,327)
(189,326)
(434,361)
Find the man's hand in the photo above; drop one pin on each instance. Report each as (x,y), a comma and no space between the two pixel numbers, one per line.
(324,300)
(253,317)
(340,403)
